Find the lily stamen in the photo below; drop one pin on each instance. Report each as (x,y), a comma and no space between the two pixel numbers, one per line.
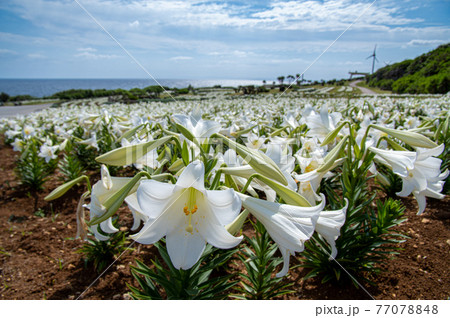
(186,211)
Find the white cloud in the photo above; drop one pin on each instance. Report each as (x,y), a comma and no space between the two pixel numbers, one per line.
(161,25)
(241,54)
(134,24)
(277,33)
(329,15)
(89,55)
(422,42)
(229,52)
(180,58)
(280,15)
(86,49)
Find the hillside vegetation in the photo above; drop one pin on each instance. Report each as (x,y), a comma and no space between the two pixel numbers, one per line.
(427,74)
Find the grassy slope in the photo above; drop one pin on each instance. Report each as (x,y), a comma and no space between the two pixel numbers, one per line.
(428,73)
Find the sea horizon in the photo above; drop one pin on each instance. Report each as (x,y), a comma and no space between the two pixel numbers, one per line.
(43,87)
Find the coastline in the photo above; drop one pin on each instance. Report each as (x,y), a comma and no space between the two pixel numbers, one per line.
(40,88)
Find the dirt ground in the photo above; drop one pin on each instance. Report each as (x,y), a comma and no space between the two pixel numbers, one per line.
(38,258)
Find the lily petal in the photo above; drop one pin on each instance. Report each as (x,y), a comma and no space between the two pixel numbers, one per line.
(329,225)
(407,187)
(98,236)
(225,203)
(193,176)
(286,260)
(108,227)
(138,216)
(423,153)
(165,223)
(214,233)
(184,248)
(153,197)
(205,128)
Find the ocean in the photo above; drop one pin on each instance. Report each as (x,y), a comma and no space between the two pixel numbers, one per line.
(47,87)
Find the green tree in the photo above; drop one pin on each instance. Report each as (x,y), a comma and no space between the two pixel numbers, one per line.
(290,78)
(4,97)
(281,79)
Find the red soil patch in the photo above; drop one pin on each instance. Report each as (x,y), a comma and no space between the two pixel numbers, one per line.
(38,258)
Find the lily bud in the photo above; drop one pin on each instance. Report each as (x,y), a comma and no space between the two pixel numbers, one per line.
(236,226)
(62,189)
(260,162)
(130,132)
(185,132)
(113,202)
(130,154)
(331,158)
(410,137)
(63,145)
(332,134)
(289,196)
(242,132)
(176,166)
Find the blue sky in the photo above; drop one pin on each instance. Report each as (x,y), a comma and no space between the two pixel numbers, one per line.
(201,39)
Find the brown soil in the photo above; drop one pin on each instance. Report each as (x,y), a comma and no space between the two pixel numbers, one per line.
(38,258)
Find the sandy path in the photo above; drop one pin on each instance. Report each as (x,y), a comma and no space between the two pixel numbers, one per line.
(363,90)
(9,111)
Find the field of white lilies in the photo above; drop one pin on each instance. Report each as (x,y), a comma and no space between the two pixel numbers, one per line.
(235,196)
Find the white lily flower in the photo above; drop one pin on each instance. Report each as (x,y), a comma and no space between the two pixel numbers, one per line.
(311,163)
(138,216)
(91,142)
(198,127)
(413,167)
(306,189)
(433,190)
(48,152)
(289,226)
(10,134)
(411,122)
(321,125)
(311,147)
(101,192)
(232,160)
(305,113)
(310,180)
(230,131)
(399,161)
(420,171)
(284,160)
(18,144)
(254,141)
(59,131)
(426,167)
(188,215)
(28,131)
(329,225)
(289,119)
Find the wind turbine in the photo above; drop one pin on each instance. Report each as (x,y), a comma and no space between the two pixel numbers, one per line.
(374,56)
